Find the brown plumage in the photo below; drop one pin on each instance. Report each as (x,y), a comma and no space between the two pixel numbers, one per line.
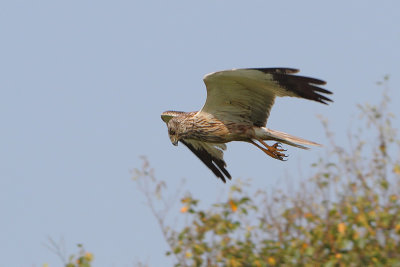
(237,108)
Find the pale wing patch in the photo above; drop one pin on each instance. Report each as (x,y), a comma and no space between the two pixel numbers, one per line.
(238,100)
(247,95)
(251,79)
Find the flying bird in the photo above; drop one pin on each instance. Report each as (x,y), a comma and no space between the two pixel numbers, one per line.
(237,107)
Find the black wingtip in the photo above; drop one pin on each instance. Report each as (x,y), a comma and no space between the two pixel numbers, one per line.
(305,87)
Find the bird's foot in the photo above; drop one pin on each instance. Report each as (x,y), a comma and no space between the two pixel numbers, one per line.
(275,151)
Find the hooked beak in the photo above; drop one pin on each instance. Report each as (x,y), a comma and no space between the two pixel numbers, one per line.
(174,140)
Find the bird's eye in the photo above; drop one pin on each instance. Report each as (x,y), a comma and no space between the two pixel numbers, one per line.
(171,132)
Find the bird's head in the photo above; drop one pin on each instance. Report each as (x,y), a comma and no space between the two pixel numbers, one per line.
(173,131)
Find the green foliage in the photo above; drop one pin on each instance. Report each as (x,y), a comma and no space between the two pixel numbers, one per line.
(346,214)
(81,259)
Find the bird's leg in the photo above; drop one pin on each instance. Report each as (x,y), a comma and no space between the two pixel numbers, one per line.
(273,151)
(274,147)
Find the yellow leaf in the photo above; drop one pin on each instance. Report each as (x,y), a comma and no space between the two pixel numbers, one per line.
(361,219)
(271,261)
(372,213)
(355,235)
(308,215)
(338,256)
(89,256)
(382,148)
(188,254)
(341,228)
(396,169)
(233,205)
(371,231)
(234,263)
(184,209)
(185,200)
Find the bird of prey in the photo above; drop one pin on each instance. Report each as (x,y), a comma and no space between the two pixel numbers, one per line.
(237,108)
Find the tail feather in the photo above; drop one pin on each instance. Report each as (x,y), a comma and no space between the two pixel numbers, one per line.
(268,134)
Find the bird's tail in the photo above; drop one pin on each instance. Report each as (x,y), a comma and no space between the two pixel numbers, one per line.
(268,134)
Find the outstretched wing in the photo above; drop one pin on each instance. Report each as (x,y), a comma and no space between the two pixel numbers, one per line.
(247,95)
(211,155)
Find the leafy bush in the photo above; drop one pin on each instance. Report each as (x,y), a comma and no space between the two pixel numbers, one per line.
(81,259)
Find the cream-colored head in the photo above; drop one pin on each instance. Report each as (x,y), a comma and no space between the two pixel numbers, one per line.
(173,124)
(173,131)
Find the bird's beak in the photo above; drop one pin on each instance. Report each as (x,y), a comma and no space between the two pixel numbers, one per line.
(174,140)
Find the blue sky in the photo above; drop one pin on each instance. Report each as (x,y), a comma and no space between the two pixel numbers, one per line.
(83,84)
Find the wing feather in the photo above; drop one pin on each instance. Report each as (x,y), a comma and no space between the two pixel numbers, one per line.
(211,155)
(247,95)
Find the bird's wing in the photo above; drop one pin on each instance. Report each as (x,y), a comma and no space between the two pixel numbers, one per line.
(211,154)
(247,95)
